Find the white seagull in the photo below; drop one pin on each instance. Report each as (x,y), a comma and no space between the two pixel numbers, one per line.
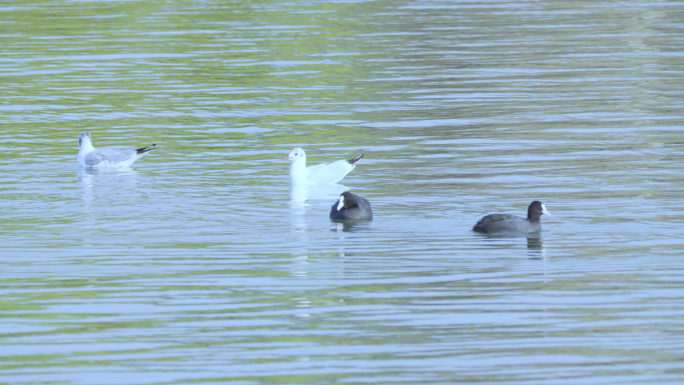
(320,173)
(89,156)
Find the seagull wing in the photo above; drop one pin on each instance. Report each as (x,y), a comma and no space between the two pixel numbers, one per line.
(111,155)
(329,172)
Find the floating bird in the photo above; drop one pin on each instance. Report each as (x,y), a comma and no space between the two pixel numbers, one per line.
(351,206)
(506,223)
(89,156)
(320,173)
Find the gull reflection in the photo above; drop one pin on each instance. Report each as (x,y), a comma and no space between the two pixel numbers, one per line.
(302,194)
(85,181)
(298,205)
(299,193)
(101,190)
(89,178)
(302,198)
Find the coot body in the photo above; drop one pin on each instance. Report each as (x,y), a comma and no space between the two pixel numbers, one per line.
(351,206)
(507,223)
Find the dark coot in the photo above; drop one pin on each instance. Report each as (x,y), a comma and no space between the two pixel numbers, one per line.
(506,223)
(351,206)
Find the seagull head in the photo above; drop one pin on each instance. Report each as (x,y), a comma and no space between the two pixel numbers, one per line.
(296,154)
(85,138)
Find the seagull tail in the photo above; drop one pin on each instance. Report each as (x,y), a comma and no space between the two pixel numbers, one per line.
(145,149)
(354,160)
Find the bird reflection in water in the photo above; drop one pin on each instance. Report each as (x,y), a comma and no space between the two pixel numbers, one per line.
(350,225)
(535,247)
(535,244)
(104,179)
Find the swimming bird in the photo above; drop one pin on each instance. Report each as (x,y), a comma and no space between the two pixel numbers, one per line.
(506,223)
(89,156)
(320,173)
(351,206)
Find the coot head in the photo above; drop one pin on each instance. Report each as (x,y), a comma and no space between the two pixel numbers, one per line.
(535,211)
(346,201)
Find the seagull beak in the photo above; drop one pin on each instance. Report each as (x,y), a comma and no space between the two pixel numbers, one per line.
(545,211)
(286,158)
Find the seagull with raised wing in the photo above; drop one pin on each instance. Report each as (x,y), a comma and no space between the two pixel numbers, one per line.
(89,156)
(320,173)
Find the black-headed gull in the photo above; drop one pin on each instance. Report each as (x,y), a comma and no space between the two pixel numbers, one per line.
(89,156)
(507,223)
(320,173)
(351,206)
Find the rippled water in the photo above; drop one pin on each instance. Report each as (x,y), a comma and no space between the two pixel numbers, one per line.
(197,265)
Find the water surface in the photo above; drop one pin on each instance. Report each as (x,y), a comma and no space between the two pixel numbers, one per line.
(199,265)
